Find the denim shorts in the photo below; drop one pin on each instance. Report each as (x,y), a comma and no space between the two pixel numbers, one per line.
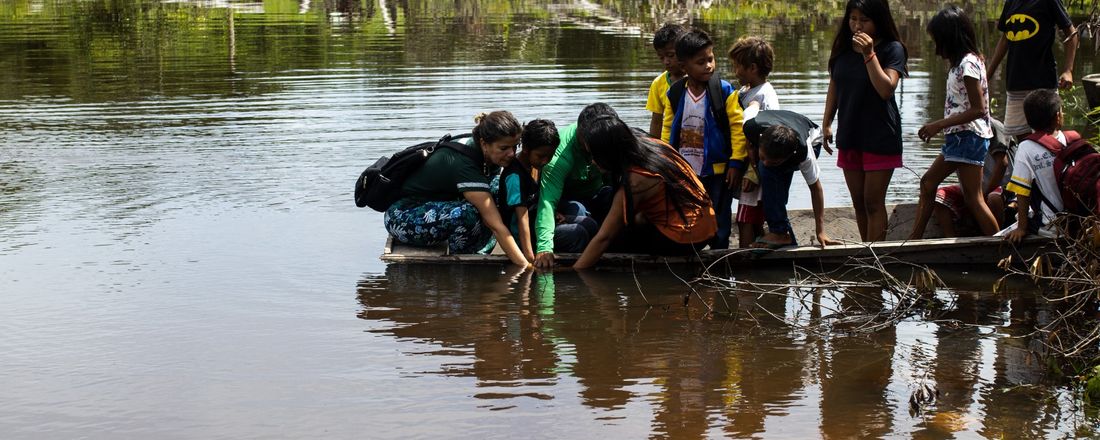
(965,147)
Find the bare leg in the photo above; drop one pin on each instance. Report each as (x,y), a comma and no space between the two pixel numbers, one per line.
(854,179)
(874,201)
(996,204)
(970,179)
(745,234)
(945,219)
(931,180)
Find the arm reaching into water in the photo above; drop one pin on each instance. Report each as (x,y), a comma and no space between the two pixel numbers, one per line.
(491,217)
(817,197)
(523,223)
(608,230)
(551,184)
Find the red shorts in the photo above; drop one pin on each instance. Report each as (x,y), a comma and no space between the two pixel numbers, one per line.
(952,198)
(752,215)
(862,161)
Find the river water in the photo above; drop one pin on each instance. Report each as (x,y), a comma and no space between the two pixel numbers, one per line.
(180,256)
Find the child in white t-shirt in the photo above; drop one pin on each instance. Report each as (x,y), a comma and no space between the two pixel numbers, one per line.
(752,60)
(966,123)
(1033,170)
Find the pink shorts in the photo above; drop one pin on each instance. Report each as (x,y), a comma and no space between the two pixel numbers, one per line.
(863,161)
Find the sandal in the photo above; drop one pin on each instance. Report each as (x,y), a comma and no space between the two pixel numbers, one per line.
(768,245)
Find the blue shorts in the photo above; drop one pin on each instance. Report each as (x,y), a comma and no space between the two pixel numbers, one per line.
(965,147)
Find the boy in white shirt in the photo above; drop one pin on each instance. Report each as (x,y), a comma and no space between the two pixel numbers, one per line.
(752,59)
(784,141)
(1033,169)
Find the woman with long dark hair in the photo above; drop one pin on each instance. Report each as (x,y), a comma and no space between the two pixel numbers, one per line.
(660,206)
(866,64)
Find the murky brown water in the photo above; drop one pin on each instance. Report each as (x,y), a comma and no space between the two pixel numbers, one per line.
(179,255)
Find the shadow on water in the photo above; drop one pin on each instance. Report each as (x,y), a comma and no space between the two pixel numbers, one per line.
(593,339)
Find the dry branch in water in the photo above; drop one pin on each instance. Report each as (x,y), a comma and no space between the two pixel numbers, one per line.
(861,296)
(1069,279)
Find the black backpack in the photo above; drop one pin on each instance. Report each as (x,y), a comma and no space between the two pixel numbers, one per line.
(380,184)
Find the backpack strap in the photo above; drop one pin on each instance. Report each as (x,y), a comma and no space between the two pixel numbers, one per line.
(716,96)
(1050,142)
(470,151)
(1038,217)
(718,107)
(676,93)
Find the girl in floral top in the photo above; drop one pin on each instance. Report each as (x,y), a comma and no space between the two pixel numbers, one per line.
(965,124)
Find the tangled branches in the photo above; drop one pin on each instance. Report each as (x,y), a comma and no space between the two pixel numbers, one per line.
(1069,278)
(862,296)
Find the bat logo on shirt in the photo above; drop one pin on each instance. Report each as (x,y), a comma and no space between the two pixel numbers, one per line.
(1020,27)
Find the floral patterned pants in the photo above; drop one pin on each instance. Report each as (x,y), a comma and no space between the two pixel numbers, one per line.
(428,223)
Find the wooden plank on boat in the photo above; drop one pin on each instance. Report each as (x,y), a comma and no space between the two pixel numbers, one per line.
(841,226)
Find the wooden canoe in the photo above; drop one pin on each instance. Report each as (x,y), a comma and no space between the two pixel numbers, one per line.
(841,225)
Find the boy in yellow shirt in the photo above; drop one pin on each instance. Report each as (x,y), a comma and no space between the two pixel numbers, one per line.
(664,42)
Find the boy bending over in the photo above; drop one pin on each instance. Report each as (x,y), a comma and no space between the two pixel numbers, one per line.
(782,139)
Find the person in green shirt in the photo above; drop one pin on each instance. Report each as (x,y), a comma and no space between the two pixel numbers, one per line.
(570,176)
(448,199)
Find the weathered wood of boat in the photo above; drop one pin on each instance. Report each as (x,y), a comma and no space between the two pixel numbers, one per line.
(840,224)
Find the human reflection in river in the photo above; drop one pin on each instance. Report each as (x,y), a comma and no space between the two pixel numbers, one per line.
(486,312)
(765,373)
(855,373)
(595,337)
(654,340)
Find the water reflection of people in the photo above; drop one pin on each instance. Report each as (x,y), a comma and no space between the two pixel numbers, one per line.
(455,306)
(763,375)
(510,345)
(855,374)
